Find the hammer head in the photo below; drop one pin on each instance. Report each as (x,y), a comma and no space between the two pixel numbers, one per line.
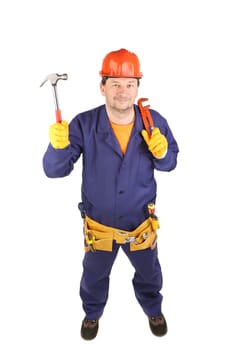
(53,78)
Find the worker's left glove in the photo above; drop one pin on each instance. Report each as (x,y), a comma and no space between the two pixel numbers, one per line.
(157,143)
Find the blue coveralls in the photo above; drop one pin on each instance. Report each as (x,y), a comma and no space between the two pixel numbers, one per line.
(116,189)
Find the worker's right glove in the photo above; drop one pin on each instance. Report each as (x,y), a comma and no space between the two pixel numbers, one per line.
(59,134)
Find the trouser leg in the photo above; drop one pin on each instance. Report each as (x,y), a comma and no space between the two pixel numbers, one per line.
(94,286)
(147,280)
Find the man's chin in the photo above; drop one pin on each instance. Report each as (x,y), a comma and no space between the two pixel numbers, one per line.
(123,107)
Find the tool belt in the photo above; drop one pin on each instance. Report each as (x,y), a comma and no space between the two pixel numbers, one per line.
(101,237)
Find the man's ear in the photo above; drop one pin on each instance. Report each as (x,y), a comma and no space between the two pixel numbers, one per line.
(102,88)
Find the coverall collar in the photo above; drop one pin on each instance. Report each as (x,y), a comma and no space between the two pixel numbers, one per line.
(105,128)
(104,125)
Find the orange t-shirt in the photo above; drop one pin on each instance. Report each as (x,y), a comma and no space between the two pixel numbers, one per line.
(122,133)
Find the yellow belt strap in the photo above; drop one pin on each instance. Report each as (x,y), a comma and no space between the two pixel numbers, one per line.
(101,237)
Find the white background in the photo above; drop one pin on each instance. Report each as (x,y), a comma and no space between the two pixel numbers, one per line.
(183,47)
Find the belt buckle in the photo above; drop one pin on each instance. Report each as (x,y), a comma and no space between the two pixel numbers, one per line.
(128,239)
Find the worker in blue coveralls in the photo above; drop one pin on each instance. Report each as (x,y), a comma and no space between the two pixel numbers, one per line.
(119,156)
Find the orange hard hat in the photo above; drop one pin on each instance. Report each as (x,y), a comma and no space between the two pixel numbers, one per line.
(121,63)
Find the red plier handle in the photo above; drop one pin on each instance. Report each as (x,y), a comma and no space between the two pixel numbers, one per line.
(146,116)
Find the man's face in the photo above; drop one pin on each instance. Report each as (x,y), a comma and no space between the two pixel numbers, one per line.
(120,93)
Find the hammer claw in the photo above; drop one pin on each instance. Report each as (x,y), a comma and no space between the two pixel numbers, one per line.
(53,78)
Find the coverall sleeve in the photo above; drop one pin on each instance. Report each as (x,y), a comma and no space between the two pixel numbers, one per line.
(169,162)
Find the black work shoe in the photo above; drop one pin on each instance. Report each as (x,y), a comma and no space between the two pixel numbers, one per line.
(89,329)
(158,325)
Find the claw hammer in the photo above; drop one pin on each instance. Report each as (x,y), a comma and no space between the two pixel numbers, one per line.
(53,78)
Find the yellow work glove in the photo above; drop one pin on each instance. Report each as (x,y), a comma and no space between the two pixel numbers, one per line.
(157,143)
(59,135)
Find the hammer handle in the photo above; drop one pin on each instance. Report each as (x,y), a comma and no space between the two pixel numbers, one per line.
(58,116)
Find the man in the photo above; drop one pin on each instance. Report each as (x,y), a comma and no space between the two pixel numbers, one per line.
(118,188)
